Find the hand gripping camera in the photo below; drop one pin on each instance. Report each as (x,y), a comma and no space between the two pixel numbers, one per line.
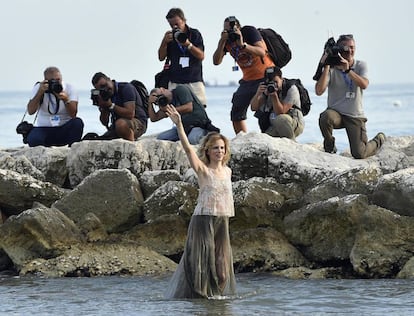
(104,94)
(54,86)
(233,36)
(161,100)
(270,80)
(332,48)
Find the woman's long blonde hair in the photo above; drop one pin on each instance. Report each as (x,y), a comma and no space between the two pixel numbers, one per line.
(208,141)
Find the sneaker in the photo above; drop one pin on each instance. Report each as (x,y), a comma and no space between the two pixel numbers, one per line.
(329,146)
(380,139)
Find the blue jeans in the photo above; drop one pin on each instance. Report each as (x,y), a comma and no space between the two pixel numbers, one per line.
(194,137)
(66,134)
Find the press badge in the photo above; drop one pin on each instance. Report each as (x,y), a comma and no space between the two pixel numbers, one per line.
(350,95)
(55,120)
(184,62)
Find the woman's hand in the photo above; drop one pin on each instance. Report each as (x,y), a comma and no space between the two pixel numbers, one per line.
(173,114)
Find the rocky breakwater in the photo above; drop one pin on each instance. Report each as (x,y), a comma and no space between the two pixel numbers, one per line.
(119,207)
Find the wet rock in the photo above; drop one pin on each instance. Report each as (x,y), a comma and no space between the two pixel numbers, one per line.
(39,232)
(114,196)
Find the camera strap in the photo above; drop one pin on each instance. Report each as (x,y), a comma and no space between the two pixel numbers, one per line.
(55,105)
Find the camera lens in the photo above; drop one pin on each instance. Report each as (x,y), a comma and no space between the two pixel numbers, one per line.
(271,88)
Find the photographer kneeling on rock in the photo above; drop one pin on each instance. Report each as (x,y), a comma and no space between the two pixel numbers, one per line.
(345,78)
(279,115)
(120,103)
(194,117)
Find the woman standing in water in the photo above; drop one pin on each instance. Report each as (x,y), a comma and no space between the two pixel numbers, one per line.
(206,266)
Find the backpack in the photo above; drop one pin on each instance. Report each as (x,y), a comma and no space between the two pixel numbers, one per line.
(277,48)
(143,93)
(305,102)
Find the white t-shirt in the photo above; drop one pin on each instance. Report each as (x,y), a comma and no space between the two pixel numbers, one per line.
(52,112)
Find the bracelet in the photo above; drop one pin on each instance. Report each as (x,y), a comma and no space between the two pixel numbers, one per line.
(348,70)
(112,107)
(189,47)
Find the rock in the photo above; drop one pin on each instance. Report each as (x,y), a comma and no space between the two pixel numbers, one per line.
(166,235)
(173,197)
(102,260)
(50,161)
(395,192)
(152,180)
(383,244)
(18,192)
(114,196)
(299,210)
(263,249)
(407,272)
(137,157)
(39,232)
(303,273)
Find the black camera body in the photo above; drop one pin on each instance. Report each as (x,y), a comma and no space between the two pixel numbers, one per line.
(162,100)
(270,80)
(179,36)
(332,48)
(233,36)
(54,86)
(96,93)
(24,129)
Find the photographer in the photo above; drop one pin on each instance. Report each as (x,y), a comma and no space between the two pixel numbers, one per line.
(56,104)
(194,117)
(345,78)
(246,46)
(121,108)
(183,47)
(279,115)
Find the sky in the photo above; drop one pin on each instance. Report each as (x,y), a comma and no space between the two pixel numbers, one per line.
(121,37)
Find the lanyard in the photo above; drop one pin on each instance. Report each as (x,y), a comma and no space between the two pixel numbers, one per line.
(348,81)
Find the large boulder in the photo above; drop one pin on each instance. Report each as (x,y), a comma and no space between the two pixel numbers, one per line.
(395,192)
(50,161)
(114,196)
(39,232)
(19,191)
(137,157)
(263,249)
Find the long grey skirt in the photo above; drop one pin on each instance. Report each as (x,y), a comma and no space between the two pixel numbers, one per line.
(206,266)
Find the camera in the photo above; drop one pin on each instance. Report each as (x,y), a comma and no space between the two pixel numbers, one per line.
(233,36)
(161,100)
(54,86)
(270,80)
(332,48)
(24,129)
(179,36)
(96,93)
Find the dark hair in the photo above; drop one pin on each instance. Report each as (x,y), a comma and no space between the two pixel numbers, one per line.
(345,37)
(96,77)
(237,21)
(175,12)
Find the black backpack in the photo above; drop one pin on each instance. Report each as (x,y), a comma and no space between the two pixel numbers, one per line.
(143,93)
(305,102)
(277,48)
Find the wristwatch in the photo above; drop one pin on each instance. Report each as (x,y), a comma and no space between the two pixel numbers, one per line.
(112,107)
(348,70)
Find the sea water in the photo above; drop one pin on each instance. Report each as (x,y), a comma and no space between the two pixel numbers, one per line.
(389,108)
(257,294)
